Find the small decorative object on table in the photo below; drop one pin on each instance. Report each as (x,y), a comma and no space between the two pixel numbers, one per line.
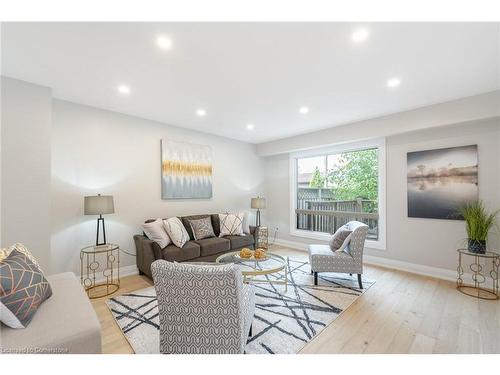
(262,238)
(100,280)
(490,262)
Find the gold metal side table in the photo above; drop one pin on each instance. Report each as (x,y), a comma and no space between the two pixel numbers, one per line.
(100,270)
(482,263)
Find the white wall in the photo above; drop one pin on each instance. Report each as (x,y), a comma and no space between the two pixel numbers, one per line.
(97,151)
(25,172)
(426,242)
(468,109)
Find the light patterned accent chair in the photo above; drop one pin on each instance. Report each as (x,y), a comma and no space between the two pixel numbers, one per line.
(204,309)
(349,260)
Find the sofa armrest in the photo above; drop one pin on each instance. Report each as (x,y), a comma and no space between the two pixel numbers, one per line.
(147,252)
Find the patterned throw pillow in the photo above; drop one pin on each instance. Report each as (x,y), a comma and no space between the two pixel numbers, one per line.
(176,231)
(231,224)
(340,239)
(202,228)
(246,222)
(156,232)
(23,288)
(5,252)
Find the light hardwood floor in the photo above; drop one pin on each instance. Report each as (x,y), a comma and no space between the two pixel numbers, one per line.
(400,313)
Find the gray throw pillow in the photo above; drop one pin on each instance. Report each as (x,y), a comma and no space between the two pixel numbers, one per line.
(339,238)
(23,288)
(202,228)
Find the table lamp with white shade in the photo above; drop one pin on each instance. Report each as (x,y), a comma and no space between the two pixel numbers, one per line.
(99,205)
(258,204)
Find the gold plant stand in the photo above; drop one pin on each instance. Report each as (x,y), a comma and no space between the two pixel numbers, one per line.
(479,277)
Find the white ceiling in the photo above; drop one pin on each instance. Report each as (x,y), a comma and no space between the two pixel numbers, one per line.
(259,73)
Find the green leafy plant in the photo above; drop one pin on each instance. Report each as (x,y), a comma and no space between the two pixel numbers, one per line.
(478,221)
(356,176)
(317,180)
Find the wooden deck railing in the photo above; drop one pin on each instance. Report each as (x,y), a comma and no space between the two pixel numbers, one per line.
(327,215)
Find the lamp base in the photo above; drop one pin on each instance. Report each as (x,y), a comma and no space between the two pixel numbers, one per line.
(257,218)
(97,243)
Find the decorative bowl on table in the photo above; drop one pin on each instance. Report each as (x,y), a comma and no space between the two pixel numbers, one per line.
(245,253)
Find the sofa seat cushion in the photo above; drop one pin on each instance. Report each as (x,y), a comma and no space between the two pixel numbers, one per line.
(240,241)
(190,250)
(65,323)
(214,245)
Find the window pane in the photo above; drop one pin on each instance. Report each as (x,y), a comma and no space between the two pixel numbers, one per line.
(342,187)
(311,171)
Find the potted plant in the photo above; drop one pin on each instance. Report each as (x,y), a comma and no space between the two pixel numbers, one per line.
(478,223)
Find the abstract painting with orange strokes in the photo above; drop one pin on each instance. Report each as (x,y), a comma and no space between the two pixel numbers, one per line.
(186,170)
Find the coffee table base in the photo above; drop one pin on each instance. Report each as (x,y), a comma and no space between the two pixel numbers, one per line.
(249,279)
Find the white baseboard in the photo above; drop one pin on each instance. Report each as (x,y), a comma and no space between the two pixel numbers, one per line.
(291,244)
(419,269)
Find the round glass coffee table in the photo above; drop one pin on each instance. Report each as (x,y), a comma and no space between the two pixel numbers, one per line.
(252,268)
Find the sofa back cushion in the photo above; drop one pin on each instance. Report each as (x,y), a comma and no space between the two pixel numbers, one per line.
(216,224)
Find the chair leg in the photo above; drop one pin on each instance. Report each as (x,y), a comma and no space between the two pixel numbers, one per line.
(250,332)
(359,281)
(315,278)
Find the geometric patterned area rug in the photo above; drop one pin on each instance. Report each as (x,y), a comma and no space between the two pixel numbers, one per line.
(283,322)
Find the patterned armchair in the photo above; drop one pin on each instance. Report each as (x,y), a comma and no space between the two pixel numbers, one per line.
(350,260)
(204,309)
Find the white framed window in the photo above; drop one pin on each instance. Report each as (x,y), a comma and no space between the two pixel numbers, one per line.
(330,186)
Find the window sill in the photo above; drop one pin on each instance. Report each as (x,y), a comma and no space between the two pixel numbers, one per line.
(321,236)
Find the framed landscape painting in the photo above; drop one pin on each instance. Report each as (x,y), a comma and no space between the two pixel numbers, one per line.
(186,170)
(441,181)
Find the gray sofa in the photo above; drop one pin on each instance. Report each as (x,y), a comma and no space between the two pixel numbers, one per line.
(64,323)
(206,250)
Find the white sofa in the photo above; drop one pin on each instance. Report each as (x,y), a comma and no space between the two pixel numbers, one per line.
(65,323)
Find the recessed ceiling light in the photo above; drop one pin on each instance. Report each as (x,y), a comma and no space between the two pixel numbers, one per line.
(201,112)
(123,89)
(250,127)
(304,110)
(360,35)
(393,82)
(164,42)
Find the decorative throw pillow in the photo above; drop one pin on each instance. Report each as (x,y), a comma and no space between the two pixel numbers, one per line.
(24,250)
(246,222)
(340,239)
(202,228)
(5,252)
(23,288)
(231,224)
(156,232)
(176,231)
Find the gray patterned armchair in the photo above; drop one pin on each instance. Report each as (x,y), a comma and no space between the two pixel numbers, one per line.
(204,309)
(350,260)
